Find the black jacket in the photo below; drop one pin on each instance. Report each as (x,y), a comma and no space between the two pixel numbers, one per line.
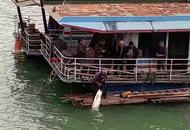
(135,52)
(116,52)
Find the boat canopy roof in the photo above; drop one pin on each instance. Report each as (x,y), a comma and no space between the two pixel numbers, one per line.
(26,2)
(121,24)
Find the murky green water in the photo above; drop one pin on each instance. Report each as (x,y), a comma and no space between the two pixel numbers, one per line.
(28,101)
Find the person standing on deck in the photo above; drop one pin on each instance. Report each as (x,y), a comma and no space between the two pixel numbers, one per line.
(98,82)
(100,49)
(161,53)
(81,48)
(119,53)
(131,52)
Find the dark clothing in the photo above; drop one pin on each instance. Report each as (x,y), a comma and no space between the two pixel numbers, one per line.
(81,50)
(100,50)
(130,65)
(118,52)
(100,78)
(95,89)
(134,50)
(99,83)
(160,64)
(161,53)
(133,54)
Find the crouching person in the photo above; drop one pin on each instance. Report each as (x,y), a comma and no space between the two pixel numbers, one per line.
(98,82)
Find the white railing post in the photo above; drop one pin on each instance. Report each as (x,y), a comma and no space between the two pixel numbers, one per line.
(136,70)
(45,45)
(61,64)
(26,40)
(171,65)
(75,69)
(28,46)
(100,64)
(50,48)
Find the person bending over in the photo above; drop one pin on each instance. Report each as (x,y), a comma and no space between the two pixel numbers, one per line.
(98,82)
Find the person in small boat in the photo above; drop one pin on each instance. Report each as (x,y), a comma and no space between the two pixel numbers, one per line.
(81,48)
(161,53)
(131,52)
(98,82)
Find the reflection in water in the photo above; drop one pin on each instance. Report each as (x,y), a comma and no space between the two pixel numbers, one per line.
(97,119)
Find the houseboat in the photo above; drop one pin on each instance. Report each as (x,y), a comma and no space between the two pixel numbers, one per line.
(129,80)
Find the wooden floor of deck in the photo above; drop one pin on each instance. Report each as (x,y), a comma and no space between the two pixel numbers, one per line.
(86,100)
(161,96)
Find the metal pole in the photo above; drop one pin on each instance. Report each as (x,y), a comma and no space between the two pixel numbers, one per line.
(44,16)
(20,18)
(171,65)
(136,70)
(100,64)
(75,69)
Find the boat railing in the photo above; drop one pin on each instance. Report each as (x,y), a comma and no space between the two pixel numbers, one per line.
(31,42)
(140,70)
(46,48)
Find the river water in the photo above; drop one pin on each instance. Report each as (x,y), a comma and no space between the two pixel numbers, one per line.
(28,101)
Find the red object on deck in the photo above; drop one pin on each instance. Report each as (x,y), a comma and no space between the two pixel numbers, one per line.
(18,45)
(55,60)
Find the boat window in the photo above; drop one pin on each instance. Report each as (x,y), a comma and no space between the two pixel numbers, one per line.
(178,48)
(148,43)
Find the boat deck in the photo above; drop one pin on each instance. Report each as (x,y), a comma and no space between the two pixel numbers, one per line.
(158,96)
(86,100)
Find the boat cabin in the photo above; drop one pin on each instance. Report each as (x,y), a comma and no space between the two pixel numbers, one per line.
(83,46)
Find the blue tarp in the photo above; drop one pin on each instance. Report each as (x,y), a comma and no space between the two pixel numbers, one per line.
(126,24)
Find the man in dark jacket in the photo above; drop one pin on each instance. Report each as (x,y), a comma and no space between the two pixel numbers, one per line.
(161,53)
(131,52)
(98,82)
(119,52)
